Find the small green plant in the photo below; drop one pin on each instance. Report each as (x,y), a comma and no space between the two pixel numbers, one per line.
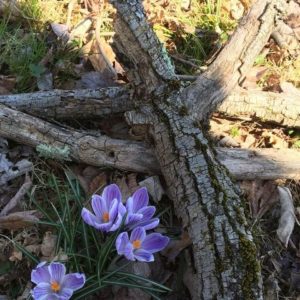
(22,54)
(234,132)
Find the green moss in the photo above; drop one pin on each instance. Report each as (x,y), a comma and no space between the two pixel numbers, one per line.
(240,216)
(250,265)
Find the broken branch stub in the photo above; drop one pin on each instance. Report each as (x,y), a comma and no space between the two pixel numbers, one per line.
(231,66)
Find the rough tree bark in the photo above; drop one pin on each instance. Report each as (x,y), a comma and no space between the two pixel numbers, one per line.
(204,195)
(98,150)
(277,108)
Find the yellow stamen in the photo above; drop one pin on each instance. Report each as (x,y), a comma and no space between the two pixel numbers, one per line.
(136,244)
(105,217)
(55,287)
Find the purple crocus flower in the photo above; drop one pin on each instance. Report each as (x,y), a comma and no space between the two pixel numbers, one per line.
(139,214)
(53,283)
(140,246)
(108,210)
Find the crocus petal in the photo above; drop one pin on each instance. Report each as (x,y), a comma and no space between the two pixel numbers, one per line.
(155,242)
(113,211)
(119,218)
(65,294)
(129,205)
(88,217)
(111,192)
(147,225)
(103,226)
(74,281)
(138,233)
(133,218)
(150,224)
(121,242)
(53,296)
(140,199)
(99,205)
(57,271)
(143,255)
(147,212)
(42,291)
(40,274)
(128,252)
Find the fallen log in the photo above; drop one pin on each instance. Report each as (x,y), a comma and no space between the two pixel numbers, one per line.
(134,156)
(65,144)
(278,108)
(72,104)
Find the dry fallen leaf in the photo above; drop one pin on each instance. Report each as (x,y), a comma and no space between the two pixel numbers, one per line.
(49,244)
(154,187)
(98,183)
(16,255)
(287,215)
(61,30)
(262,195)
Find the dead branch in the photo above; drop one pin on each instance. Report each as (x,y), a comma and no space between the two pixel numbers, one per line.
(134,156)
(283,109)
(66,104)
(137,47)
(232,64)
(76,145)
(264,163)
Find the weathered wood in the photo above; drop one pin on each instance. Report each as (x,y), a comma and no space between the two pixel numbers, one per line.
(241,163)
(204,196)
(277,108)
(72,104)
(283,108)
(79,146)
(232,64)
(266,164)
(143,57)
(209,205)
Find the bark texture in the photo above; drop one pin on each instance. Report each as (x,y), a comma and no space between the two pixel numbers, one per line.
(68,104)
(282,109)
(208,203)
(203,193)
(99,150)
(65,144)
